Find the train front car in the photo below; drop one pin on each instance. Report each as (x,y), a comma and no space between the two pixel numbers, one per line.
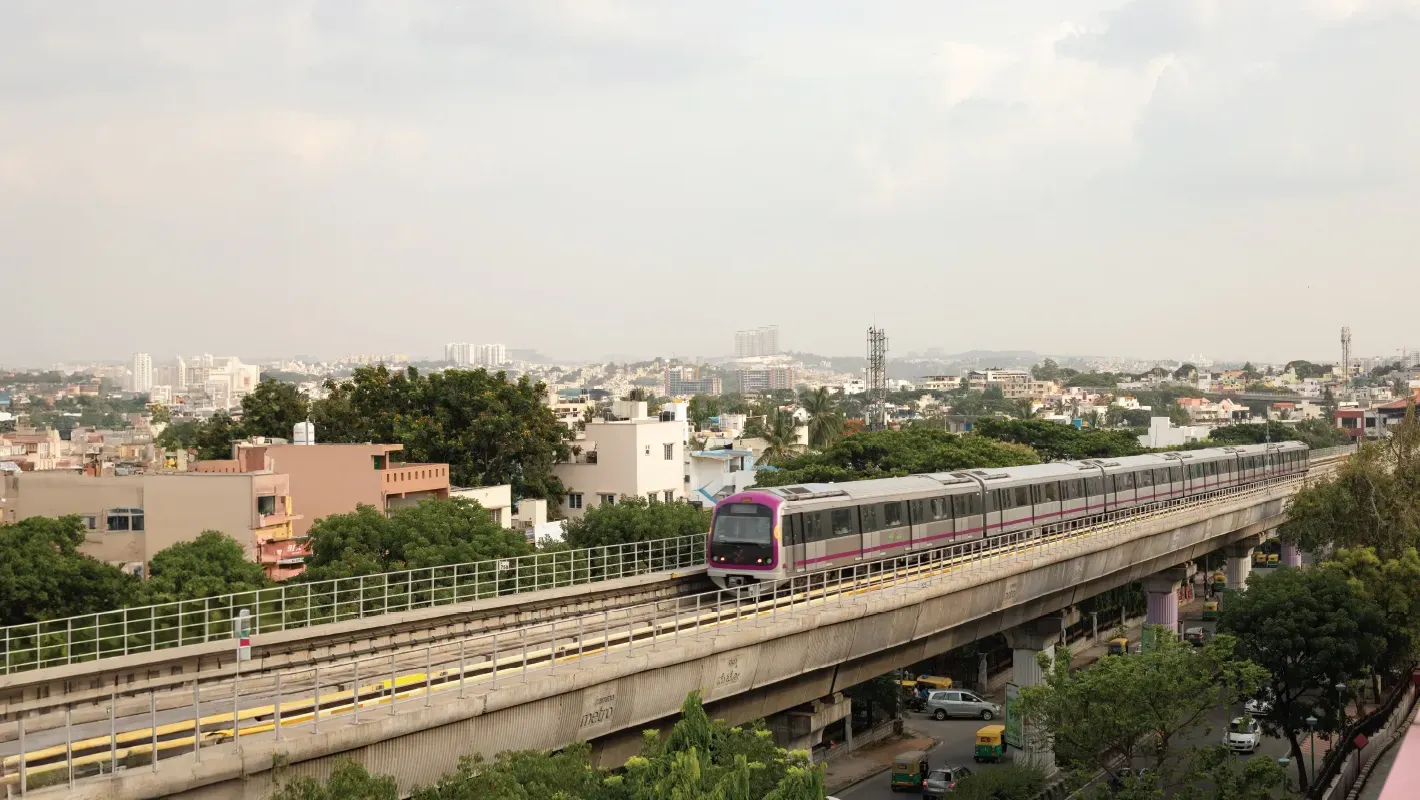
(744,542)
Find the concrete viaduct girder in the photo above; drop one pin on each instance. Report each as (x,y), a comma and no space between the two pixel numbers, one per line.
(752,669)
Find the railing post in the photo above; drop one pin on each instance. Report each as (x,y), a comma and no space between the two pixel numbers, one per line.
(315,709)
(197,720)
(355,693)
(394,683)
(153,726)
(523,635)
(462,669)
(606,636)
(24,775)
(495,660)
(428,676)
(277,716)
(69,742)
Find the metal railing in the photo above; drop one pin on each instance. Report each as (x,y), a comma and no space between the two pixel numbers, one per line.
(334,694)
(108,634)
(144,629)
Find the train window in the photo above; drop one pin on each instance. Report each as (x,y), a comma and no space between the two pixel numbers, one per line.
(1212,468)
(1146,478)
(811,526)
(842,521)
(791,525)
(1176,474)
(966,505)
(1022,495)
(941,508)
(1124,482)
(1050,492)
(1095,486)
(892,515)
(1074,489)
(915,511)
(870,519)
(1005,499)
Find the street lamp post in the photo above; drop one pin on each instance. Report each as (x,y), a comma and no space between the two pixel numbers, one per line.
(1311,745)
(1285,763)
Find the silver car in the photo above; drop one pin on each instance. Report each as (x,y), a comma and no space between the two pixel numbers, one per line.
(941,781)
(957,703)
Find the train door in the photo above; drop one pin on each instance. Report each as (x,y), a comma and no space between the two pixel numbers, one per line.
(931,521)
(1015,508)
(1094,494)
(1144,486)
(1073,499)
(1047,501)
(1122,494)
(814,529)
(967,512)
(896,533)
(792,556)
(845,543)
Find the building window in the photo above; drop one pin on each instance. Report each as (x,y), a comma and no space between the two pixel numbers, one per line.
(91,522)
(670,496)
(266,505)
(670,451)
(648,449)
(124,519)
(574,499)
(608,499)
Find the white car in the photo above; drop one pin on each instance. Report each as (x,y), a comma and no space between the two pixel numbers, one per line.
(1259,706)
(1243,736)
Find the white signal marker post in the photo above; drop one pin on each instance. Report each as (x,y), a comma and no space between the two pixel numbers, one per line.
(243,631)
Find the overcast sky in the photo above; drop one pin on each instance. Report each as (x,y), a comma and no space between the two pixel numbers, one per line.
(1147,177)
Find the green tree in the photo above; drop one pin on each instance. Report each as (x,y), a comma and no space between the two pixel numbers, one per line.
(1309,630)
(348,781)
(524,774)
(1138,417)
(702,408)
(1185,372)
(635,519)
(179,435)
(1139,710)
(158,414)
(212,564)
(1055,442)
(429,534)
(1046,370)
(781,438)
(43,575)
(273,408)
(889,453)
(213,439)
(1007,782)
(1394,586)
(488,430)
(825,417)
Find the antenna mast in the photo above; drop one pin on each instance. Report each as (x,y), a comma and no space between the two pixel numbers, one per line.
(877,379)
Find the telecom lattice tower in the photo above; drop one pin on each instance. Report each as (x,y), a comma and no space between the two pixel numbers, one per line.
(1345,357)
(876,379)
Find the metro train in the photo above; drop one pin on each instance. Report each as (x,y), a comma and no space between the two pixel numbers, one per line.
(774,533)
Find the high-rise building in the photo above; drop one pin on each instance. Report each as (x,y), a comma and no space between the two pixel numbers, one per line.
(181,373)
(766,380)
(686,380)
(142,372)
(463,354)
(758,342)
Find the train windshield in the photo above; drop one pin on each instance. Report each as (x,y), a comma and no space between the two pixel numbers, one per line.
(743,523)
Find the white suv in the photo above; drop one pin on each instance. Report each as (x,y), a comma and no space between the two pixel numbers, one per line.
(1243,736)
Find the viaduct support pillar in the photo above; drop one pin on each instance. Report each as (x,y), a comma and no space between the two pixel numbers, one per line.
(1240,561)
(1291,556)
(1027,642)
(1162,590)
(801,728)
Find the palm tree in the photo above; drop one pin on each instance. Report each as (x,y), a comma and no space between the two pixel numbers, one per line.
(824,417)
(781,440)
(1023,408)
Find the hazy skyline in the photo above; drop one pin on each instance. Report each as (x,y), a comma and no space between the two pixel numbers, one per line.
(583,177)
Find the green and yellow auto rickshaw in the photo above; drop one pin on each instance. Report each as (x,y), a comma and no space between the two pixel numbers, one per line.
(1220,581)
(1210,609)
(1119,646)
(909,771)
(1259,557)
(989,744)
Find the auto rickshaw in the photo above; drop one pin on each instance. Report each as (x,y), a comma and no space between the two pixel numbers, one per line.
(1220,581)
(1210,609)
(989,746)
(1259,558)
(1274,559)
(1119,646)
(934,683)
(909,770)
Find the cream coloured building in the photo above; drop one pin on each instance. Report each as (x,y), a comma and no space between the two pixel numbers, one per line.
(631,455)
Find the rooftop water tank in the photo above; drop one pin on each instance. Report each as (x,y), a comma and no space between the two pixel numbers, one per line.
(305,433)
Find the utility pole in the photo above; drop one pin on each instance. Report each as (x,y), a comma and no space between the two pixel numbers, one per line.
(876,379)
(1345,358)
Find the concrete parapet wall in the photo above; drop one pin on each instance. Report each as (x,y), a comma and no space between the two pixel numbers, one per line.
(745,671)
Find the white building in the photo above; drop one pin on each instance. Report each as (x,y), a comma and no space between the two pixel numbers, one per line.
(633,455)
(225,380)
(1163,433)
(142,372)
(714,474)
(941,383)
(758,342)
(463,354)
(854,386)
(496,500)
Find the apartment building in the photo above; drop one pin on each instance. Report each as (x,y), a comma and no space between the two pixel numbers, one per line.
(683,381)
(632,454)
(768,379)
(130,518)
(335,478)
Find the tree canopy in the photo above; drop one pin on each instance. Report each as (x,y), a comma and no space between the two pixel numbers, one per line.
(44,576)
(635,519)
(212,564)
(1315,433)
(488,431)
(1309,629)
(431,533)
(1046,370)
(889,453)
(272,409)
(1139,711)
(699,759)
(1056,442)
